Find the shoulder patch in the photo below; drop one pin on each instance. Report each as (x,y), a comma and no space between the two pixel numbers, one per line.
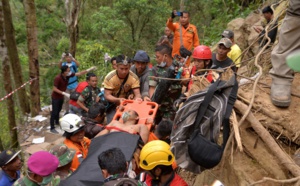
(111,75)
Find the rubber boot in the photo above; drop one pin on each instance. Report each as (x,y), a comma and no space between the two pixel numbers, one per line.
(281,95)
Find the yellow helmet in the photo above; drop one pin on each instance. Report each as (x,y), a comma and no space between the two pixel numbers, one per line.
(155,153)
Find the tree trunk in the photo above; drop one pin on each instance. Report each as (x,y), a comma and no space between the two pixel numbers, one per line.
(72,14)
(14,57)
(32,46)
(7,83)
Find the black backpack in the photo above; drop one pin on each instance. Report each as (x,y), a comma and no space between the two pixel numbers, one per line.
(197,126)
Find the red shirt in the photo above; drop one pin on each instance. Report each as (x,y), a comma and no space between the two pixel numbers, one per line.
(61,84)
(81,86)
(177,181)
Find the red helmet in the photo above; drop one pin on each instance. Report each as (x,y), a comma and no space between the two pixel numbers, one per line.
(202,52)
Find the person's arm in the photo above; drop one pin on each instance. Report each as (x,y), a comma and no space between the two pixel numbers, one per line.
(151,91)
(55,89)
(137,93)
(144,133)
(81,104)
(76,62)
(61,60)
(170,24)
(109,97)
(103,132)
(85,71)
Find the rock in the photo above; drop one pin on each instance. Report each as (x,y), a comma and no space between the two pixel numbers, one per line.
(237,26)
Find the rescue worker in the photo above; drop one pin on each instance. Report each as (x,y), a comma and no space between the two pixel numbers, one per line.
(10,164)
(130,124)
(162,131)
(71,62)
(40,165)
(235,52)
(74,133)
(65,156)
(89,95)
(164,91)
(167,38)
(141,69)
(289,41)
(272,32)
(118,84)
(189,33)
(94,120)
(221,59)
(58,93)
(156,159)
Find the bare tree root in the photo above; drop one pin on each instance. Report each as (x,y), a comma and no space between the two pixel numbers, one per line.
(237,135)
(276,181)
(284,159)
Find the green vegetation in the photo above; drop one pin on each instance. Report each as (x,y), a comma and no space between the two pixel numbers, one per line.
(113,27)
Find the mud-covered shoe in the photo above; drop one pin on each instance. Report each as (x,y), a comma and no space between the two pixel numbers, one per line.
(281,95)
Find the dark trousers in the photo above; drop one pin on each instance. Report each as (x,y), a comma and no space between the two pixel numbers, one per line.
(56,108)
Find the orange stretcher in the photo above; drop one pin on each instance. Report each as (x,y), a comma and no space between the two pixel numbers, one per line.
(146,110)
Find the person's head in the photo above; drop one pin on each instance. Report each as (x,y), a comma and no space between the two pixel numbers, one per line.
(10,161)
(228,34)
(97,112)
(123,66)
(202,57)
(68,58)
(73,127)
(65,70)
(130,115)
(87,76)
(224,46)
(112,161)
(41,165)
(167,31)
(163,130)
(156,158)
(267,13)
(64,155)
(185,18)
(163,55)
(92,80)
(141,60)
(113,61)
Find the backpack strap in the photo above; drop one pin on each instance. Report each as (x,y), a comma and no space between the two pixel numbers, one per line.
(122,85)
(207,99)
(231,100)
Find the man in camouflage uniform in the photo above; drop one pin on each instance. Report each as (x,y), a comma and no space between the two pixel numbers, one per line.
(65,156)
(89,95)
(163,91)
(40,165)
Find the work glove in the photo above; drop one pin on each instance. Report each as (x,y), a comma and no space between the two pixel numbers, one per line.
(92,68)
(66,94)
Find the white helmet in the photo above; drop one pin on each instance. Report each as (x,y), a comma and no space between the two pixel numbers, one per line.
(70,123)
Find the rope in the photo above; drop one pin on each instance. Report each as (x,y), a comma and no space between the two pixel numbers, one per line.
(14,91)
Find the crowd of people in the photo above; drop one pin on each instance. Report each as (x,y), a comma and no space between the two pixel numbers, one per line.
(90,109)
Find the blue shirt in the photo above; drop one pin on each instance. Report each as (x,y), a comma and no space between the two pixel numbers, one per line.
(73,81)
(6,180)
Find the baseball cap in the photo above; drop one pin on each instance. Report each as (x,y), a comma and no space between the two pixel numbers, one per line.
(7,156)
(42,163)
(228,34)
(226,42)
(64,154)
(141,56)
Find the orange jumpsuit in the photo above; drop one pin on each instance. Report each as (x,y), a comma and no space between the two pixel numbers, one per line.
(81,150)
(189,37)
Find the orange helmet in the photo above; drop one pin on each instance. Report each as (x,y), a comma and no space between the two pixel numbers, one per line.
(202,52)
